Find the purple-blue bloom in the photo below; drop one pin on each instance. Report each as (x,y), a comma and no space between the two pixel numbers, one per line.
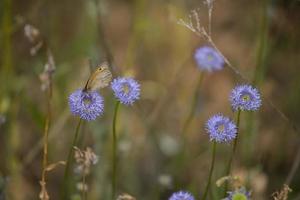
(182,195)
(245,97)
(208,59)
(87,105)
(239,194)
(126,90)
(221,129)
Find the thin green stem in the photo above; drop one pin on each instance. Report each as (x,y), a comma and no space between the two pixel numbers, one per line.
(182,155)
(83,187)
(65,190)
(228,169)
(194,104)
(103,41)
(114,159)
(211,170)
(237,134)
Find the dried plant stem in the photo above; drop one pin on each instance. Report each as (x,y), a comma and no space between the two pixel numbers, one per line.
(46,132)
(114,150)
(210,9)
(65,187)
(211,170)
(228,169)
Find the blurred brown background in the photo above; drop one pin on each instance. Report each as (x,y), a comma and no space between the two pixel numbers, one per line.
(143,39)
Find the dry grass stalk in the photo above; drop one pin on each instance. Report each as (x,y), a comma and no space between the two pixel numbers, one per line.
(282,194)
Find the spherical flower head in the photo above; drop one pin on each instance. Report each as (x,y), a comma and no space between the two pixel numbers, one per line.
(239,194)
(87,105)
(208,59)
(245,97)
(182,195)
(221,129)
(126,90)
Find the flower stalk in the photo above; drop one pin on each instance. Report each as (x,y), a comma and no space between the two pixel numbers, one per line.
(48,71)
(114,151)
(194,104)
(211,170)
(66,180)
(228,169)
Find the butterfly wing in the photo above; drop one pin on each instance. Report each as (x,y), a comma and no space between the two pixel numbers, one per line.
(100,78)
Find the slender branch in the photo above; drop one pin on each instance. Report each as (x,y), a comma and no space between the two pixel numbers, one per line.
(211,170)
(114,159)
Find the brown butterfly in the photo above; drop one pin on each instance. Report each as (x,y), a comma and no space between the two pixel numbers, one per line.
(100,78)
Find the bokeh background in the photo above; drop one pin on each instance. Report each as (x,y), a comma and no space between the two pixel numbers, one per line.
(142,38)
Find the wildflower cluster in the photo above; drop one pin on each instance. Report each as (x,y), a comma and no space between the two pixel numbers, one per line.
(243,97)
(222,129)
(89,104)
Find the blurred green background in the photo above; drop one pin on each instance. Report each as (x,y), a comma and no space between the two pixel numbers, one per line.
(143,39)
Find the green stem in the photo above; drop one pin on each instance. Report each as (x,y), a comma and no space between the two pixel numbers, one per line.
(263,45)
(211,170)
(263,52)
(228,169)
(83,187)
(69,163)
(194,104)
(180,159)
(114,159)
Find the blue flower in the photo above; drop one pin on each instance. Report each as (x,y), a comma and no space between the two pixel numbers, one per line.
(245,97)
(239,194)
(181,195)
(126,90)
(208,59)
(221,129)
(87,105)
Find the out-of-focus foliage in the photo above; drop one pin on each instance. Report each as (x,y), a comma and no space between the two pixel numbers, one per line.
(143,39)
